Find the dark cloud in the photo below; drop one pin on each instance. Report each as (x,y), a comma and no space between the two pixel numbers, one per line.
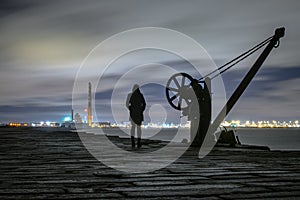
(34,113)
(266,79)
(10,7)
(272,94)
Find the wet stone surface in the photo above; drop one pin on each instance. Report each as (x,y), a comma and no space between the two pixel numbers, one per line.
(36,164)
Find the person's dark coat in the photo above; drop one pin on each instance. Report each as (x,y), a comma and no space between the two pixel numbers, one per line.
(136,105)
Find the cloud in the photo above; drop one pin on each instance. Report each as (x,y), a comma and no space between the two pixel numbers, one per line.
(43,44)
(273,98)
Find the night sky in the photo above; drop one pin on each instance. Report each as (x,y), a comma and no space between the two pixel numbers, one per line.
(43,44)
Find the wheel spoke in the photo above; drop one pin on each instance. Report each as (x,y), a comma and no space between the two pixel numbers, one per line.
(182,81)
(176,82)
(173,89)
(174,97)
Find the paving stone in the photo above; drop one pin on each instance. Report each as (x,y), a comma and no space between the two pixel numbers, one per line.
(160,183)
(271,195)
(176,187)
(194,192)
(30,190)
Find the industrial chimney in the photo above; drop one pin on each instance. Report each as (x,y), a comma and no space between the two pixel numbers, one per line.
(72,115)
(90,105)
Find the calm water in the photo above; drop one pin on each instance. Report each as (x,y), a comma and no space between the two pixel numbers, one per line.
(275,139)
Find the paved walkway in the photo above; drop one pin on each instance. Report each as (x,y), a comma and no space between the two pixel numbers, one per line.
(55,165)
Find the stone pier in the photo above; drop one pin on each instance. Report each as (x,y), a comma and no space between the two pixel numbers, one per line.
(38,164)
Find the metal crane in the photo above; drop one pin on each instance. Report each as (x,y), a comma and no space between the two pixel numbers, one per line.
(180,86)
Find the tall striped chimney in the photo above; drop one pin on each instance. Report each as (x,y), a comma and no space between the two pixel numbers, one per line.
(90,105)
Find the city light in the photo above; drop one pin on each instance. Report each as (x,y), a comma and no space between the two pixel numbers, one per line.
(261,124)
(67,119)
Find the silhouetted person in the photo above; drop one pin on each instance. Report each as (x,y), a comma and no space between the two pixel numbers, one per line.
(136,104)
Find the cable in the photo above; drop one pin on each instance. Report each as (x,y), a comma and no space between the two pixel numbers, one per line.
(239,58)
(242,58)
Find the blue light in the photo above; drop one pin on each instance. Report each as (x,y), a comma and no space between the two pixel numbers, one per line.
(67,119)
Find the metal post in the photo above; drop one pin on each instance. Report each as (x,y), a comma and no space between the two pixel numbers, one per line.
(204,119)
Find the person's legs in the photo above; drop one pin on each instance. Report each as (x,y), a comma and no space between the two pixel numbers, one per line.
(132,131)
(139,135)
(139,131)
(132,134)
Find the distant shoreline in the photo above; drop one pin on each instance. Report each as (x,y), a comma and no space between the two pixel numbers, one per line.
(161,128)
